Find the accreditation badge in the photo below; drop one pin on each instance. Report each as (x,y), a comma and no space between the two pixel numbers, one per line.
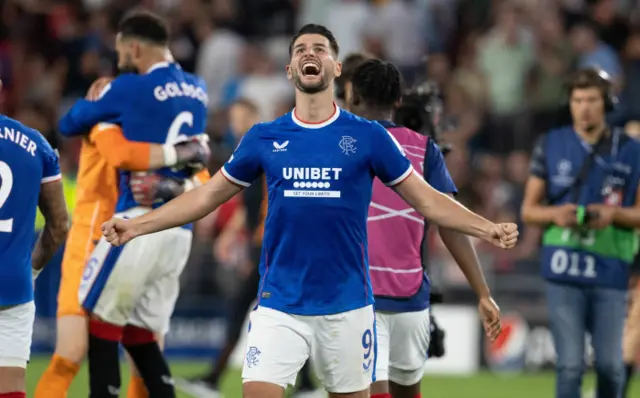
(614,198)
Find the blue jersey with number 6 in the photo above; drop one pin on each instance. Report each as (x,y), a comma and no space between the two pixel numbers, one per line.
(26,162)
(164,105)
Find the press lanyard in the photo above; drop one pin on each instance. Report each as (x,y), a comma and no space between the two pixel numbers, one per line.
(615,141)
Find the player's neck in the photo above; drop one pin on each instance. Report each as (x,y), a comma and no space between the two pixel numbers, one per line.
(593,135)
(154,58)
(315,108)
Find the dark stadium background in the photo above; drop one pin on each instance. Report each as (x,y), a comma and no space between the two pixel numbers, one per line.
(498,98)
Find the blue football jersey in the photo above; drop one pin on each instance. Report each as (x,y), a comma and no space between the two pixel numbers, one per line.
(26,161)
(165,105)
(319,181)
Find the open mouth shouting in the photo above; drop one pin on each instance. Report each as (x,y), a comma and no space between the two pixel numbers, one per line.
(310,68)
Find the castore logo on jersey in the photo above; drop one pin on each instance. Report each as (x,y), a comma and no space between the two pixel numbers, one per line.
(277,147)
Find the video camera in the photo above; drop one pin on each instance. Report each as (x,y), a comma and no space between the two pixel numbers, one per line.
(421,110)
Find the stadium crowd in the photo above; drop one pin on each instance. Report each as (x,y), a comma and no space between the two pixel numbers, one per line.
(500,64)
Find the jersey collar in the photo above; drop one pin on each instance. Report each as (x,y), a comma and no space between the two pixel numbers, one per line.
(317,125)
(158,65)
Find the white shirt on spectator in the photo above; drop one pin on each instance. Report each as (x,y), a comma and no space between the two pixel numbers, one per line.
(218,62)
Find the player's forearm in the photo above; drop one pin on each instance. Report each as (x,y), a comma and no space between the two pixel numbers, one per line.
(537,214)
(50,239)
(53,207)
(627,217)
(121,153)
(140,156)
(465,255)
(441,209)
(188,207)
(446,212)
(82,117)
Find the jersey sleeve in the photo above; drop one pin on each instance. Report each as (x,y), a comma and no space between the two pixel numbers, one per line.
(50,163)
(119,152)
(538,164)
(245,166)
(388,160)
(85,114)
(435,170)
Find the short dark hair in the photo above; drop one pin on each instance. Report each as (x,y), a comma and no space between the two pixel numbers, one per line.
(314,29)
(591,78)
(349,65)
(144,25)
(377,83)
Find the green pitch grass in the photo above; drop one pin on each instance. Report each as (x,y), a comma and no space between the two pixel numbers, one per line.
(483,385)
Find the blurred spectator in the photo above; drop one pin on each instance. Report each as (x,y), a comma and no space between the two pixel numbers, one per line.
(189,29)
(347,19)
(593,52)
(218,61)
(506,57)
(265,85)
(611,28)
(398,27)
(631,92)
(554,56)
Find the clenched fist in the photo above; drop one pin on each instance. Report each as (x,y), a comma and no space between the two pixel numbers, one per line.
(504,235)
(119,231)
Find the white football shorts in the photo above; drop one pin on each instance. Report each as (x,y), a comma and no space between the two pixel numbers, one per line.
(16,329)
(342,348)
(138,283)
(403,344)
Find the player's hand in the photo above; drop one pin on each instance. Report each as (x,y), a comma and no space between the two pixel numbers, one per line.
(606,215)
(119,231)
(193,154)
(565,215)
(96,88)
(504,235)
(490,316)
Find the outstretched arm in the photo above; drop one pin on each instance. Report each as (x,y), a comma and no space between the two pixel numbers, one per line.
(187,208)
(394,169)
(121,153)
(443,210)
(85,113)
